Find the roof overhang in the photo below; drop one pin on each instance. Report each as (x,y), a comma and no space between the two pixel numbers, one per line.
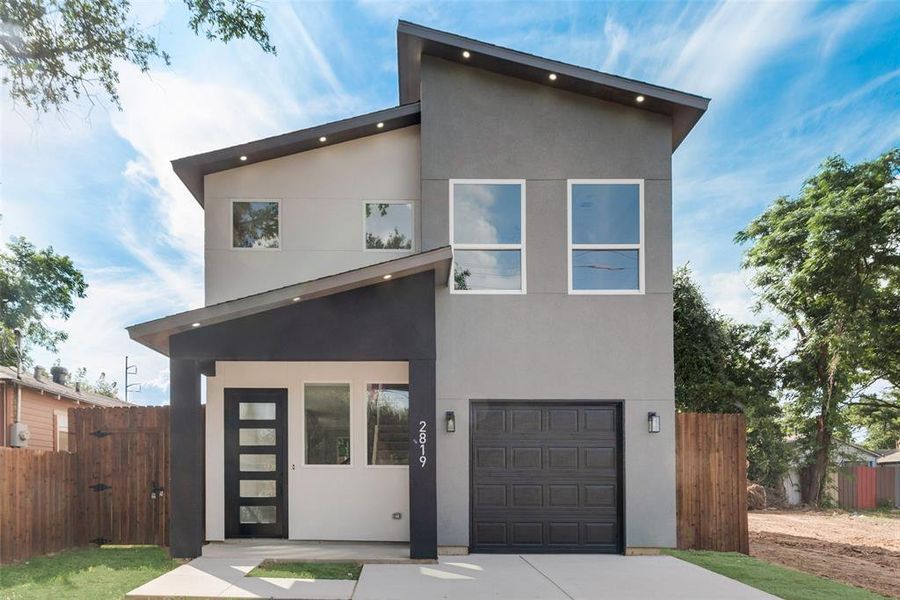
(192,169)
(155,334)
(415,40)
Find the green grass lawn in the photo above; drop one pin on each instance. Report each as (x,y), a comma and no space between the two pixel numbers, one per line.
(85,573)
(776,580)
(307,570)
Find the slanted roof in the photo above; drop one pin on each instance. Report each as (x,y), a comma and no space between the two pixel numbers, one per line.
(57,389)
(890,458)
(412,42)
(155,334)
(415,40)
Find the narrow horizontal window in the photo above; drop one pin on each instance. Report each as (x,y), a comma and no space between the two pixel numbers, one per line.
(488,236)
(260,411)
(250,463)
(257,514)
(389,226)
(257,436)
(606,237)
(387,424)
(257,488)
(327,411)
(255,224)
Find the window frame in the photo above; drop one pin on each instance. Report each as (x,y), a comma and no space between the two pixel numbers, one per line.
(488,247)
(366,385)
(350,426)
(640,246)
(231,225)
(412,206)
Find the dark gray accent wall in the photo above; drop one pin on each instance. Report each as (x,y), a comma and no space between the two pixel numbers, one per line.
(389,321)
(547,343)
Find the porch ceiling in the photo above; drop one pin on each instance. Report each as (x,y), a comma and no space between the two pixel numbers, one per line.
(155,334)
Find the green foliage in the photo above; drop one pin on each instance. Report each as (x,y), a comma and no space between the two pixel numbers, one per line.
(101,386)
(54,51)
(723,366)
(85,574)
(828,261)
(394,241)
(35,286)
(779,581)
(880,421)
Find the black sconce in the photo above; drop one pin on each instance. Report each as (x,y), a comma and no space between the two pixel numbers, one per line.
(652,422)
(451,421)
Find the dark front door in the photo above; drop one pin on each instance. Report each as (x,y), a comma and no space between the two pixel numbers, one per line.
(546,477)
(255,462)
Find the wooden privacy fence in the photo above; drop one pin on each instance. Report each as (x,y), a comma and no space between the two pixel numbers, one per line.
(866,488)
(112,489)
(711,482)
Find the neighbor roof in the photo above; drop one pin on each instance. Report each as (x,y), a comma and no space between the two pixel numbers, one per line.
(155,334)
(57,389)
(415,40)
(890,458)
(412,42)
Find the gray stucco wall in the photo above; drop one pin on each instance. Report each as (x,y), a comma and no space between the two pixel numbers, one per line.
(547,344)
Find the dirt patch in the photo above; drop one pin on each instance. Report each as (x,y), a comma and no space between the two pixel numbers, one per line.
(857,549)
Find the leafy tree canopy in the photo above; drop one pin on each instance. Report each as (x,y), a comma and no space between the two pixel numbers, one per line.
(828,261)
(35,286)
(723,366)
(54,51)
(101,386)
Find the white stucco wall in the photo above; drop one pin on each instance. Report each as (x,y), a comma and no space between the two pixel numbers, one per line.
(322,193)
(340,502)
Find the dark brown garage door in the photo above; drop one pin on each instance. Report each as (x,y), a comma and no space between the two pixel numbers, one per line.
(546,477)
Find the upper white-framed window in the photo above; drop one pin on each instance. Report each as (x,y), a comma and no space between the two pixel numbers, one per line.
(388,226)
(606,236)
(487,234)
(387,424)
(255,224)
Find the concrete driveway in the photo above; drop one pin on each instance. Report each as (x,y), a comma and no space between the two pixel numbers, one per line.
(550,577)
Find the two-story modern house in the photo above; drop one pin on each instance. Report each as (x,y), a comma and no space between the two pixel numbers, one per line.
(447,323)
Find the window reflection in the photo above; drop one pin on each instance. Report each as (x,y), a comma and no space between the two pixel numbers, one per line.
(389,226)
(254,224)
(387,424)
(327,410)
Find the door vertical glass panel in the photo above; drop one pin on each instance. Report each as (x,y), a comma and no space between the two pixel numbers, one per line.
(255,457)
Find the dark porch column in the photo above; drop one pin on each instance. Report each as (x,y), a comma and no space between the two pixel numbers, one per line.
(422,478)
(186,445)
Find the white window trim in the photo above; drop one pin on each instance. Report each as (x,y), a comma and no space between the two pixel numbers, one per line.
(412,204)
(303,462)
(640,246)
(520,246)
(366,385)
(231,224)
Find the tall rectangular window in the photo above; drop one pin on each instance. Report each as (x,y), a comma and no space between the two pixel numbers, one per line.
(389,225)
(256,224)
(387,423)
(487,233)
(327,420)
(606,236)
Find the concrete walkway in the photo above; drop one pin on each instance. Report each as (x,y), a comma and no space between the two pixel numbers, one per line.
(473,577)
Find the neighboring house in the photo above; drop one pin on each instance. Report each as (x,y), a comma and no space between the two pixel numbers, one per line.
(46,401)
(889,457)
(844,453)
(447,323)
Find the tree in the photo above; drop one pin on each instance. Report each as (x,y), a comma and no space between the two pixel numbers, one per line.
(828,261)
(101,386)
(881,423)
(35,285)
(723,366)
(53,51)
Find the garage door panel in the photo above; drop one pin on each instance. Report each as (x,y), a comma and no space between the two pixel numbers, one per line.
(545,477)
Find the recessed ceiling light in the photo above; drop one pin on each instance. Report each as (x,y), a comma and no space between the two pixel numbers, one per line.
(243,157)
(380,125)
(323,139)
(295,299)
(466,54)
(640,98)
(195,324)
(388,276)
(552,76)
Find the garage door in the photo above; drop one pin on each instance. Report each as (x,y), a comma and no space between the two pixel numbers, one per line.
(546,477)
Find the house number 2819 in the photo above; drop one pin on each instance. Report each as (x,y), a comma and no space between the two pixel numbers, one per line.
(423,441)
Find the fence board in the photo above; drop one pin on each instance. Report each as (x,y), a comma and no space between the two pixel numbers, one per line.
(711,482)
(886,485)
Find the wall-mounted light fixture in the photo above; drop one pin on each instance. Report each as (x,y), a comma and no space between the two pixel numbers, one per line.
(450,417)
(653,422)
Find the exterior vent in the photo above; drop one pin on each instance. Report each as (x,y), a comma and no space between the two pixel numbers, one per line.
(60,375)
(39,372)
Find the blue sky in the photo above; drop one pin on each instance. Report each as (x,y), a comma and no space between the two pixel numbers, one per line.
(790,84)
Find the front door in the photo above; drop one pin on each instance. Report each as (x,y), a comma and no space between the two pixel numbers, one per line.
(255,457)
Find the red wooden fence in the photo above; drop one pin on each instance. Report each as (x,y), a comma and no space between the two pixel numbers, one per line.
(866,488)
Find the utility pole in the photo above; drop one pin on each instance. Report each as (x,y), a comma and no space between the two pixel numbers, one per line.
(130,369)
